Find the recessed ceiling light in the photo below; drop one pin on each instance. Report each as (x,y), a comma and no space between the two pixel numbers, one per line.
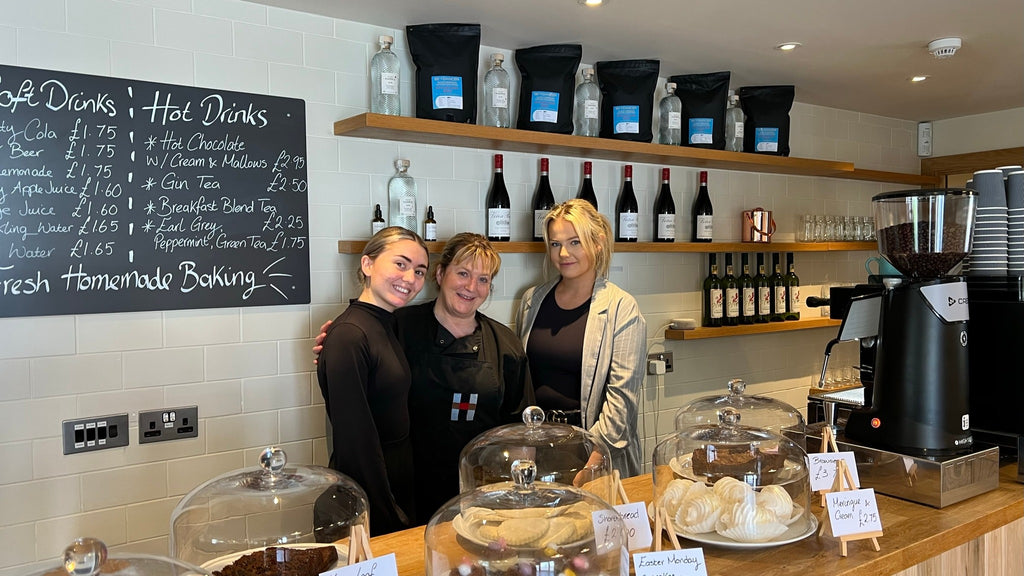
(590,3)
(788,46)
(921,78)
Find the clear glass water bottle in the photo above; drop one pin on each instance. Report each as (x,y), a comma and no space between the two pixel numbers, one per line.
(734,124)
(384,78)
(402,197)
(670,115)
(587,113)
(496,110)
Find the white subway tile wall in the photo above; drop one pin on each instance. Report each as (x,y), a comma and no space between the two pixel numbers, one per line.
(249,370)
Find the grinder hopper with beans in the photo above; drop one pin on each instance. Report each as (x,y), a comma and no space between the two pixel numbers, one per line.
(918,403)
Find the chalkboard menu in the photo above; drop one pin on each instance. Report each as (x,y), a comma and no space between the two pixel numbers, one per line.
(120,195)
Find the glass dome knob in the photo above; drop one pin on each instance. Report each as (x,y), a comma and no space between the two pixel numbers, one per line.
(524,472)
(273,459)
(729,416)
(533,416)
(737,386)
(85,556)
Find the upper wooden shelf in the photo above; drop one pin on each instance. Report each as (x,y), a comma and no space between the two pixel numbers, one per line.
(356,247)
(406,129)
(724,331)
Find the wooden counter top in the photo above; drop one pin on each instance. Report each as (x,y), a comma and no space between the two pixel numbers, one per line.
(913,533)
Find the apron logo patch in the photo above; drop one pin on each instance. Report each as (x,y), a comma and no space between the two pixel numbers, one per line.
(463,409)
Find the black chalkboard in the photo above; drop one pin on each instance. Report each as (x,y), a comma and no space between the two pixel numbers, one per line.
(120,195)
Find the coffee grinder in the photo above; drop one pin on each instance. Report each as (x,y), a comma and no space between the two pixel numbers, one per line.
(909,425)
(919,398)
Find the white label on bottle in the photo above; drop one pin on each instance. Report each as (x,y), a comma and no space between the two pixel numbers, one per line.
(732,302)
(629,225)
(794,299)
(499,222)
(764,301)
(499,98)
(544,106)
(675,120)
(749,302)
(666,226)
(538,222)
(704,227)
(430,231)
(590,110)
(738,132)
(377,227)
(701,130)
(407,206)
(716,302)
(389,83)
(780,299)
(446,92)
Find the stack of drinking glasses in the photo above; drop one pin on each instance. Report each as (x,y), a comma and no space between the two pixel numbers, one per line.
(832,228)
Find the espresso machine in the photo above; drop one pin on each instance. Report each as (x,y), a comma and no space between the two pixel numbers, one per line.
(909,425)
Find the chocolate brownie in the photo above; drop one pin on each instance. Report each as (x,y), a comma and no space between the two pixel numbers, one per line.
(276,561)
(737,462)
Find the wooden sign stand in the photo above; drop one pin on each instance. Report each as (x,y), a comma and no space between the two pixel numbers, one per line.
(842,483)
(619,489)
(828,440)
(358,545)
(662,521)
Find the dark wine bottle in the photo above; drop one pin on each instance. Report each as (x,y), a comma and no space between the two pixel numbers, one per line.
(430,226)
(777,283)
(748,295)
(627,211)
(587,186)
(731,293)
(712,296)
(792,290)
(377,223)
(664,211)
(499,213)
(543,201)
(764,292)
(702,211)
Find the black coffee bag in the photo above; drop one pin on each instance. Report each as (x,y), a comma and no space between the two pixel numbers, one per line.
(627,98)
(447,59)
(547,83)
(704,98)
(766,130)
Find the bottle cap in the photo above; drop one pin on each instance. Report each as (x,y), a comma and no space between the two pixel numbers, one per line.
(497,57)
(499,161)
(670,86)
(386,38)
(401,163)
(588,168)
(588,71)
(665,172)
(628,170)
(543,164)
(703,176)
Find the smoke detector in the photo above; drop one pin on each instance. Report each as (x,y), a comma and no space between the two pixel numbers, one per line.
(944,47)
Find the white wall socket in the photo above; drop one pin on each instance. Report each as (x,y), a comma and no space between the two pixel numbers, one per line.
(924,138)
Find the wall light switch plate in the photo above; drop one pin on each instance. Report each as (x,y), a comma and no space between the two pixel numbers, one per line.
(924,138)
(97,433)
(168,424)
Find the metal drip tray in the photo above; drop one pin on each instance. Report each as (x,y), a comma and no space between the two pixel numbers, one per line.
(936,482)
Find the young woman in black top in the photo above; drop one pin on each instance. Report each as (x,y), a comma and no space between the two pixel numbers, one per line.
(365,378)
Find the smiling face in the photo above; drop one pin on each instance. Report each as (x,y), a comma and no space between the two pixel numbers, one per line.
(395,276)
(464,286)
(567,253)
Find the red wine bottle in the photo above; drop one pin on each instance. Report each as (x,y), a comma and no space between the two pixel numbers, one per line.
(731,293)
(664,211)
(748,294)
(702,211)
(792,290)
(777,284)
(587,187)
(712,296)
(543,201)
(627,210)
(764,292)
(499,208)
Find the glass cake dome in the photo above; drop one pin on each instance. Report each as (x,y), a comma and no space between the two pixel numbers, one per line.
(526,528)
(273,504)
(562,453)
(733,485)
(89,557)
(755,411)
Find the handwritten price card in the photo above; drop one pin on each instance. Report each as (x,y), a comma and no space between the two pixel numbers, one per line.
(380,566)
(689,561)
(637,525)
(823,469)
(853,512)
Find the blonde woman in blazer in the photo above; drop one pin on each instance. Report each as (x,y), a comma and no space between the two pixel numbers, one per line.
(579,323)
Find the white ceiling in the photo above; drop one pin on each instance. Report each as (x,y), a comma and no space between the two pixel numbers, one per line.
(856,55)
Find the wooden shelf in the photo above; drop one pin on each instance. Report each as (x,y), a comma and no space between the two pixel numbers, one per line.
(356,247)
(406,129)
(724,331)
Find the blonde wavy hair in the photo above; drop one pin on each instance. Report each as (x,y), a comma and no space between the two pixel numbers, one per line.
(593,229)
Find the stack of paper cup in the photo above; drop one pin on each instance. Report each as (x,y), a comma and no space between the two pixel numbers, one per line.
(1015,222)
(989,250)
